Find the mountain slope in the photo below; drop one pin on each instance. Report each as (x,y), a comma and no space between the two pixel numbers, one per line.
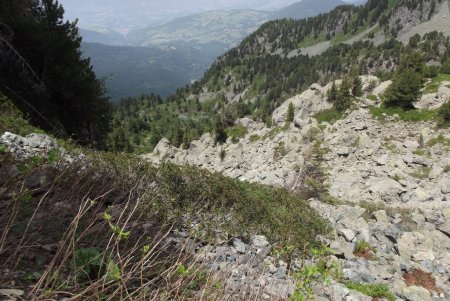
(306,8)
(257,76)
(132,71)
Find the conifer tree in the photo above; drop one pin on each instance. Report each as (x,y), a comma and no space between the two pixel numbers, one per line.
(344,99)
(407,83)
(357,87)
(290,113)
(220,136)
(332,93)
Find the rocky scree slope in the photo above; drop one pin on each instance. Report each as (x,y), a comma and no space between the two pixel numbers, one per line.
(389,178)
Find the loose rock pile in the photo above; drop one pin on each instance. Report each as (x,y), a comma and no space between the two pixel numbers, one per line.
(30,146)
(393,178)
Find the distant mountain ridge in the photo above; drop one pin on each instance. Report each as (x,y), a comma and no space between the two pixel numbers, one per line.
(206,34)
(306,8)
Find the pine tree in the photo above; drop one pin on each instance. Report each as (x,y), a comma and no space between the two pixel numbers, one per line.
(290,113)
(357,87)
(332,93)
(186,140)
(343,98)
(220,136)
(407,83)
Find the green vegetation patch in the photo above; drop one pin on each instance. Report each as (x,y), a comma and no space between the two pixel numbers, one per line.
(12,120)
(372,97)
(421,173)
(273,132)
(433,86)
(254,138)
(372,290)
(331,115)
(238,131)
(413,115)
(257,209)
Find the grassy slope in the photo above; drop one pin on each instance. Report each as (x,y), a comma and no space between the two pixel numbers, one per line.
(108,198)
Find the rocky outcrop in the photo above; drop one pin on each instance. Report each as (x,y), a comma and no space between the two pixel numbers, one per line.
(306,104)
(392,175)
(268,156)
(29,146)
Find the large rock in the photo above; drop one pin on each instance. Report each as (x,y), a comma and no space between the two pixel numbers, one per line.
(306,104)
(416,293)
(31,145)
(411,243)
(380,216)
(445,228)
(388,190)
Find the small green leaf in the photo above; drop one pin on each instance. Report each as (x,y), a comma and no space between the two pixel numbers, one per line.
(106,216)
(146,249)
(112,271)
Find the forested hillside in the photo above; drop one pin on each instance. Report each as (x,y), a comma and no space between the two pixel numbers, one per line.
(255,77)
(132,71)
(42,71)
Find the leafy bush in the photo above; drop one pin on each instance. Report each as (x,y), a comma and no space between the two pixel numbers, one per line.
(87,264)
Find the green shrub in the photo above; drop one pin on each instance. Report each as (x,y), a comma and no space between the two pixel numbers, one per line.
(290,113)
(444,115)
(280,151)
(363,246)
(372,290)
(257,209)
(222,154)
(407,83)
(331,115)
(87,264)
(237,131)
(445,68)
(372,97)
